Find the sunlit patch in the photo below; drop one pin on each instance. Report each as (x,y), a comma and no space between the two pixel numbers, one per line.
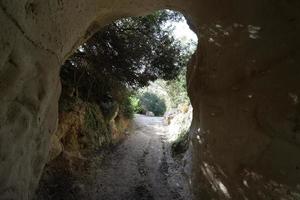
(217,185)
(237,25)
(294,97)
(199,139)
(218,26)
(179,125)
(223,189)
(182,32)
(211,40)
(245,183)
(267,188)
(226,33)
(253,31)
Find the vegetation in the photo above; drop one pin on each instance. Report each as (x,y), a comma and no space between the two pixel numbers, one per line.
(95,127)
(105,71)
(174,91)
(123,56)
(180,145)
(177,89)
(136,104)
(92,117)
(127,108)
(151,102)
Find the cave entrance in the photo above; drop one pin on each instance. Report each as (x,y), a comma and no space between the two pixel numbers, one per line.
(124,98)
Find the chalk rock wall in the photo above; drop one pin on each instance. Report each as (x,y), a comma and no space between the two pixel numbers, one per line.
(243,82)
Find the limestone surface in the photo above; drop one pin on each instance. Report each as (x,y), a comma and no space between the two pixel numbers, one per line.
(243,83)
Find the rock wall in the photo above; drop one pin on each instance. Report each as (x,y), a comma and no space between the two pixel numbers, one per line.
(243,83)
(83,137)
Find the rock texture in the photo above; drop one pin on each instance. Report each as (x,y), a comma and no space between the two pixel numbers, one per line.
(83,129)
(243,82)
(77,148)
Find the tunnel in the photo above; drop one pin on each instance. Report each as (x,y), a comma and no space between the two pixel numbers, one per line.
(243,83)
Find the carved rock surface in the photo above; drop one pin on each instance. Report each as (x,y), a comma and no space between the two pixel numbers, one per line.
(243,83)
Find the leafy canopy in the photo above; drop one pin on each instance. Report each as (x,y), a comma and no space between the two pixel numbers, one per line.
(128,53)
(151,102)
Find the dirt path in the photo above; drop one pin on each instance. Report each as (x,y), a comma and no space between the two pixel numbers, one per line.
(141,168)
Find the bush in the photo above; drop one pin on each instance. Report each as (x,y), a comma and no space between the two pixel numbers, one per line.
(96,134)
(177,89)
(136,104)
(151,102)
(180,145)
(126,108)
(128,53)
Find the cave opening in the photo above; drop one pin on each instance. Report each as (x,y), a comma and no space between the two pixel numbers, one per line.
(125,86)
(243,84)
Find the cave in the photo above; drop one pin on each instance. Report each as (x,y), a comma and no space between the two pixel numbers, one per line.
(242,82)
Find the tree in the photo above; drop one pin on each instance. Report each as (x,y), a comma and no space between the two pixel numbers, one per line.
(126,54)
(151,102)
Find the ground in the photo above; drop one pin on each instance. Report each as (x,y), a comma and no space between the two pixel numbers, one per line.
(140,168)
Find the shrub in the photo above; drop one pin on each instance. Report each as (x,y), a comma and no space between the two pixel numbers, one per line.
(151,102)
(180,145)
(96,134)
(136,104)
(126,108)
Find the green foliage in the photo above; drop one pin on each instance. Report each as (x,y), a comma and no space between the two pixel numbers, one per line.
(95,127)
(180,145)
(67,103)
(130,52)
(123,56)
(136,104)
(177,89)
(173,91)
(126,108)
(92,117)
(153,103)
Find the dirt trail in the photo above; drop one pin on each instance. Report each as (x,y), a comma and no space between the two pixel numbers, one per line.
(141,168)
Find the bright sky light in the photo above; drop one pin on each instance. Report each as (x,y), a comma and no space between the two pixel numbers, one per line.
(183,32)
